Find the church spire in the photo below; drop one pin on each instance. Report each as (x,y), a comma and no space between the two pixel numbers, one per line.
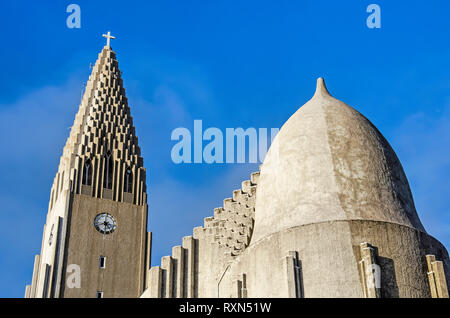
(102,157)
(98,201)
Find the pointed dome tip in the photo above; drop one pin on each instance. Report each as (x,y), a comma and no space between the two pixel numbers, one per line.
(321,88)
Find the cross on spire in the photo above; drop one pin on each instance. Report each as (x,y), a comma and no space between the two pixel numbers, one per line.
(108,37)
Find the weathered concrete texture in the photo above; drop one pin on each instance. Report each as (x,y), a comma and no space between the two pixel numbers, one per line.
(328,162)
(327,262)
(436,277)
(401,254)
(329,253)
(124,249)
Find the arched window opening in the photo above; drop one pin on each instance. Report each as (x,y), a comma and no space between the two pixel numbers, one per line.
(128,180)
(109,166)
(87,173)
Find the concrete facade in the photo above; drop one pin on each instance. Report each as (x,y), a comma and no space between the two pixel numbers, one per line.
(101,171)
(329,214)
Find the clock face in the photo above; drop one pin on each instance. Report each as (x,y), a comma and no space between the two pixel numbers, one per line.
(105,223)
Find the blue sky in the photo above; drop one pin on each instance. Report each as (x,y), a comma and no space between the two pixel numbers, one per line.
(231,64)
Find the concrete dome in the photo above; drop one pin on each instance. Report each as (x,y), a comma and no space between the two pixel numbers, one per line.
(329,163)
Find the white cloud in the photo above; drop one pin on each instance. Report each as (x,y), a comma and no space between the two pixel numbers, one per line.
(33,130)
(37,124)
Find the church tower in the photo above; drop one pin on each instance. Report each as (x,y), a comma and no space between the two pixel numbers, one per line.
(95,241)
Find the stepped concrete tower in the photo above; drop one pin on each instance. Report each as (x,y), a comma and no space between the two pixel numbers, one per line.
(95,241)
(330,214)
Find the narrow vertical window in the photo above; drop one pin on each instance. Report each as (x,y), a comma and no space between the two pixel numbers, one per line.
(109,165)
(102,262)
(87,174)
(99,294)
(128,180)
